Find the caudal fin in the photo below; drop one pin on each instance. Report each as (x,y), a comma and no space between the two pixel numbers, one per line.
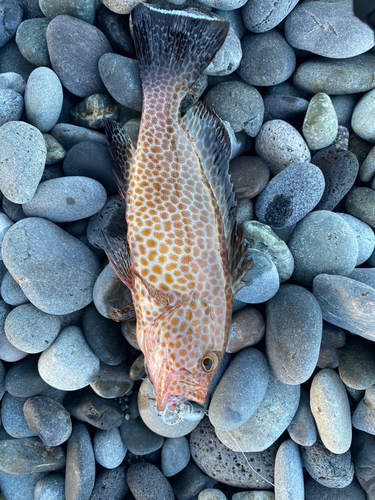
(175,45)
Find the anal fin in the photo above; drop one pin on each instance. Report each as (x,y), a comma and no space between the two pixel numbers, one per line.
(119,257)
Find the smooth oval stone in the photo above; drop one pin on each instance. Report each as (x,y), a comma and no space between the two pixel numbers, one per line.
(267,59)
(320,124)
(302,428)
(31,38)
(31,330)
(269,420)
(329,469)
(138,438)
(367,169)
(12,417)
(109,448)
(12,81)
(249,176)
(22,157)
(112,482)
(23,380)
(328,29)
(43,99)
(279,145)
(10,17)
(263,16)
(221,463)
(340,169)
(290,195)
(55,152)
(52,486)
(293,356)
(146,481)
(48,419)
(61,366)
(8,352)
(20,487)
(239,104)
(364,459)
(365,238)
(81,9)
(75,48)
(29,455)
(363,122)
(229,56)
(288,471)
(332,338)
(66,199)
(261,237)
(80,464)
(11,291)
(364,414)
(280,107)
(68,135)
(50,259)
(175,455)
(336,76)
(110,219)
(314,490)
(13,210)
(357,363)
(112,381)
(360,202)
(364,275)
(240,390)
(116,29)
(11,106)
(247,328)
(344,105)
(115,69)
(330,406)
(122,7)
(338,297)
(12,61)
(188,483)
(322,243)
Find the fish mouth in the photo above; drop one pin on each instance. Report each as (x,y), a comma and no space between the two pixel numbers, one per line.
(177,384)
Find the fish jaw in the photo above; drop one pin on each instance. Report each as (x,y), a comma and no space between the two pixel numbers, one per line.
(181,384)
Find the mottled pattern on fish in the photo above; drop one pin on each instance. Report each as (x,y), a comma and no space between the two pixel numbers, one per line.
(179,209)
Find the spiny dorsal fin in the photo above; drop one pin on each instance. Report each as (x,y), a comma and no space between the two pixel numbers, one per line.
(119,257)
(122,152)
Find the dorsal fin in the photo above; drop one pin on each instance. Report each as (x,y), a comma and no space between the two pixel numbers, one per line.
(213,146)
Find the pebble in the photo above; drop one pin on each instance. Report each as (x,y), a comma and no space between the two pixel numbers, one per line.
(239,104)
(340,169)
(229,56)
(120,6)
(12,61)
(146,481)
(66,199)
(11,106)
(189,482)
(2,380)
(139,438)
(228,466)
(175,455)
(302,429)
(269,420)
(111,483)
(55,152)
(267,59)
(279,144)
(224,4)
(22,158)
(12,417)
(290,195)
(322,243)
(235,19)
(5,224)
(260,17)
(114,70)
(51,172)
(109,448)
(359,147)
(294,332)
(48,419)
(75,48)
(80,464)
(10,17)
(69,364)
(357,363)
(240,390)
(246,329)
(364,459)
(112,381)
(116,29)
(315,490)
(337,296)
(288,472)
(336,76)
(20,487)
(31,330)
(111,219)
(69,135)
(283,107)
(81,9)
(31,38)
(8,352)
(11,291)
(320,124)
(364,275)
(364,414)
(363,122)
(329,469)
(261,237)
(52,486)
(367,169)
(13,210)
(254,495)
(330,406)
(344,105)
(128,330)
(211,494)
(365,238)
(23,380)
(111,297)
(12,81)
(360,202)
(43,258)
(332,338)
(249,176)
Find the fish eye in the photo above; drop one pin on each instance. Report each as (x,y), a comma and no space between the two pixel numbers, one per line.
(209,362)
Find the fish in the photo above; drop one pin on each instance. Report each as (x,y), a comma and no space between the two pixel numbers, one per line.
(181,259)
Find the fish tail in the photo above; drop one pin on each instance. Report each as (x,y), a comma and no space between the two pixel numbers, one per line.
(175,46)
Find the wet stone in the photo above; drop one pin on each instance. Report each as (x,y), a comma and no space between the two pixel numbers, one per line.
(357,363)
(109,448)
(320,124)
(332,339)
(111,483)
(68,135)
(249,176)
(112,381)
(52,486)
(11,106)
(146,481)
(279,107)
(31,38)
(263,16)
(23,380)
(116,29)
(175,455)
(360,202)
(81,9)
(364,414)
(189,482)
(363,122)
(111,219)
(247,328)
(302,429)
(138,438)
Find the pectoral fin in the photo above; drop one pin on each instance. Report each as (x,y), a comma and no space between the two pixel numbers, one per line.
(119,257)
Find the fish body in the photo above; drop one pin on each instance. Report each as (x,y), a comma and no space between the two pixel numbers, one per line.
(183,262)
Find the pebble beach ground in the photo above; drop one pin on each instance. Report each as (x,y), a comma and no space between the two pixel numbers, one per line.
(293,402)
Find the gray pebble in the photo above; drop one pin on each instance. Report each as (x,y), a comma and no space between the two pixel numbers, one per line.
(364,275)
(31,38)
(246,329)
(364,460)
(212,494)
(322,243)
(55,152)
(95,109)
(263,16)
(111,219)
(12,81)
(10,17)
(68,135)
(344,105)
(23,380)
(364,415)
(365,238)
(332,338)
(314,490)
(13,210)
(22,158)
(80,464)
(12,417)
(359,147)
(115,69)
(341,140)
(267,59)
(302,429)
(280,107)
(245,212)
(290,195)
(31,330)
(229,56)
(128,329)
(249,176)
(12,61)
(50,259)
(286,89)
(2,380)
(363,122)
(146,481)
(109,448)
(279,145)
(294,332)
(240,390)
(320,124)
(8,352)
(235,19)
(20,487)
(5,224)
(360,202)
(367,169)
(288,472)
(81,9)
(111,483)
(254,495)
(112,381)
(11,291)
(189,482)
(11,106)
(138,438)
(330,406)
(357,363)
(51,487)
(175,455)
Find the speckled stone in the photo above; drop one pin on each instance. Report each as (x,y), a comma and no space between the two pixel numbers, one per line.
(81,9)
(320,124)
(11,291)
(111,483)
(322,243)
(288,471)
(11,106)
(290,195)
(175,455)
(109,448)
(364,415)
(211,494)
(360,202)
(279,144)
(246,329)
(52,486)
(31,38)
(363,122)
(263,16)
(302,429)
(332,338)
(314,490)
(249,176)
(95,109)
(120,6)
(146,481)
(365,238)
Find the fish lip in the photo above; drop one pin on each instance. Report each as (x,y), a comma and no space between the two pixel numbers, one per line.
(196,394)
